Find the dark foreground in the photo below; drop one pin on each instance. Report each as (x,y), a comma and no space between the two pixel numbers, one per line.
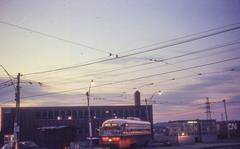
(235,145)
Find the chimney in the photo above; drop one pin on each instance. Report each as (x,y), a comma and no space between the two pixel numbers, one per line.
(137,98)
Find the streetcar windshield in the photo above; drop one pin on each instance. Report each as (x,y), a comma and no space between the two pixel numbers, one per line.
(112,126)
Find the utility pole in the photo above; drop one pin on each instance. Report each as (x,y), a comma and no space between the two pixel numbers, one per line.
(225,109)
(209,117)
(147,114)
(89,121)
(89,115)
(17,116)
(208,109)
(16,124)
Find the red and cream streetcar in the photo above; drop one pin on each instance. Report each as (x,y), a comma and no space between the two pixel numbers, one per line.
(124,133)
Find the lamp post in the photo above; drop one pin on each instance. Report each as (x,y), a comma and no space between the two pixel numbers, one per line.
(147,113)
(89,114)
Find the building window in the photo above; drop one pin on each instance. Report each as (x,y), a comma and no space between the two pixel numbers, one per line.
(137,113)
(56,114)
(80,114)
(69,113)
(126,113)
(103,113)
(114,114)
(44,115)
(108,113)
(85,113)
(120,113)
(131,113)
(63,116)
(38,115)
(92,113)
(98,115)
(143,114)
(74,114)
(80,131)
(50,115)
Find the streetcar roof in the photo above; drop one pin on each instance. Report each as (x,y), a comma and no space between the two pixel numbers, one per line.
(119,122)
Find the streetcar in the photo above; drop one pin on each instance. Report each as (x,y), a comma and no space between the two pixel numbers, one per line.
(125,133)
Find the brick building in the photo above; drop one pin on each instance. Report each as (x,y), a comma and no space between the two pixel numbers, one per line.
(35,120)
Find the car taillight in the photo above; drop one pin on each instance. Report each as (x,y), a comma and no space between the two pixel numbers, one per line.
(105,138)
(115,138)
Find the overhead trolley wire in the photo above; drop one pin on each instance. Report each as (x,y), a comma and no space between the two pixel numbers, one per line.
(154,75)
(140,52)
(174,64)
(160,61)
(175,39)
(53,93)
(165,59)
(5,82)
(53,36)
(128,80)
(177,78)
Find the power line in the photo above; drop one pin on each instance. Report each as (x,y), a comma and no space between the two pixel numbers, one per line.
(128,80)
(140,52)
(180,78)
(101,85)
(10,77)
(175,39)
(160,61)
(178,62)
(5,86)
(179,70)
(5,83)
(186,36)
(53,37)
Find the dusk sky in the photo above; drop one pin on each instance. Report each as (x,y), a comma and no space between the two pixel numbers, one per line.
(188,50)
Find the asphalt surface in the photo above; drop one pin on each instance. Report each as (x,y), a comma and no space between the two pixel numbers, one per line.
(195,146)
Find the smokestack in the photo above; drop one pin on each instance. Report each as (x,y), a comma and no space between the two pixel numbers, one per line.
(137,98)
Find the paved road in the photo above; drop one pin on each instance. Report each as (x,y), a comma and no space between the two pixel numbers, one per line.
(228,147)
(196,146)
(201,146)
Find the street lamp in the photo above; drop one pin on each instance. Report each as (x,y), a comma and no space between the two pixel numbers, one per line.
(89,113)
(159,93)
(147,113)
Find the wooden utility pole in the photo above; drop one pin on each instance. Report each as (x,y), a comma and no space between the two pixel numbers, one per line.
(17,116)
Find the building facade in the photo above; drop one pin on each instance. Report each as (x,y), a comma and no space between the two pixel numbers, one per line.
(187,131)
(32,119)
(228,130)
